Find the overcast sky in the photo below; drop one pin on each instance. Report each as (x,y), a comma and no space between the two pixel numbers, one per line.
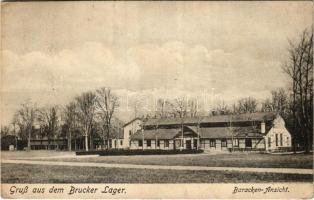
(53,51)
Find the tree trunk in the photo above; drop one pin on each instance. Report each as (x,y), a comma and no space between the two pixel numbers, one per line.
(70,141)
(307,142)
(86,142)
(29,140)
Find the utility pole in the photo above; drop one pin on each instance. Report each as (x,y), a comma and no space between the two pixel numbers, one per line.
(182,140)
(230,128)
(156,132)
(198,134)
(143,138)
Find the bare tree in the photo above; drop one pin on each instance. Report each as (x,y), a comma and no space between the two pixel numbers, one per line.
(246,105)
(5,130)
(70,119)
(267,106)
(193,107)
(179,107)
(86,111)
(49,120)
(299,68)
(221,108)
(163,108)
(107,103)
(25,118)
(279,102)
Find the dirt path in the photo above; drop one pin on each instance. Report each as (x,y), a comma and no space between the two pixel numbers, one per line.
(194,168)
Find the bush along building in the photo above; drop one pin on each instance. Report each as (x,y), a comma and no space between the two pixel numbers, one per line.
(242,132)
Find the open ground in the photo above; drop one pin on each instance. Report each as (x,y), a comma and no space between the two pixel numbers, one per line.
(19,173)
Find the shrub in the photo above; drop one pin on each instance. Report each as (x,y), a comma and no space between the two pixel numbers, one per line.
(120,152)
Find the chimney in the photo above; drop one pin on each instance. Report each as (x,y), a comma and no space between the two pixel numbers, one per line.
(263,127)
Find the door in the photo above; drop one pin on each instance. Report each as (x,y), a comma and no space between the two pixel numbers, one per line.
(188,144)
(248,143)
(177,144)
(195,143)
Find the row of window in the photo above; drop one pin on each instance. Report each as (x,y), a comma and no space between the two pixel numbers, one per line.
(212,143)
(115,143)
(278,140)
(149,143)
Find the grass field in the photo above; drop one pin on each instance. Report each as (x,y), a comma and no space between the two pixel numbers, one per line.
(218,160)
(21,173)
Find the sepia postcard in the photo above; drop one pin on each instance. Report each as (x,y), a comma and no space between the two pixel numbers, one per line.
(156,99)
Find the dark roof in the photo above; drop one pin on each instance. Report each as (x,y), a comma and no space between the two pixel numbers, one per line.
(207,132)
(165,134)
(226,132)
(260,116)
(137,118)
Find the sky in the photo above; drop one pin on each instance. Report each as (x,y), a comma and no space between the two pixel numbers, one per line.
(53,51)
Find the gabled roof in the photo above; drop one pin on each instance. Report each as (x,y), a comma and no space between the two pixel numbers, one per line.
(205,132)
(153,134)
(247,117)
(226,132)
(137,118)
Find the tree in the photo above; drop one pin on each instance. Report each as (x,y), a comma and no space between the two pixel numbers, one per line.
(246,105)
(49,120)
(163,108)
(107,103)
(86,111)
(193,107)
(25,118)
(70,119)
(299,68)
(179,107)
(5,130)
(279,102)
(221,109)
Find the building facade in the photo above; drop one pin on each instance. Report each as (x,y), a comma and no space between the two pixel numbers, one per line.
(243,132)
(130,129)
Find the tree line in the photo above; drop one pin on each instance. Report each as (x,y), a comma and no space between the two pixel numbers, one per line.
(90,111)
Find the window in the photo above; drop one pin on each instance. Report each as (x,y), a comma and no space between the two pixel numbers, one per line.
(287,141)
(212,143)
(149,143)
(195,143)
(269,141)
(121,142)
(276,140)
(223,143)
(166,143)
(158,143)
(235,142)
(110,143)
(281,140)
(130,132)
(140,143)
(248,142)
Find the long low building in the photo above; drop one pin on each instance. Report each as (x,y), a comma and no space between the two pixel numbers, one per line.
(252,131)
